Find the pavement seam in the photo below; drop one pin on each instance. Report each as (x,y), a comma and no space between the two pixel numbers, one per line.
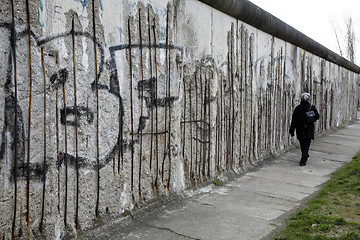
(276,180)
(315,150)
(172,231)
(205,204)
(276,196)
(266,194)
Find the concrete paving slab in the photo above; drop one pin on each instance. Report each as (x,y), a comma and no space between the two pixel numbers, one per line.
(297,176)
(293,155)
(339,147)
(340,143)
(199,221)
(316,166)
(278,189)
(338,159)
(350,130)
(344,140)
(249,203)
(333,149)
(148,232)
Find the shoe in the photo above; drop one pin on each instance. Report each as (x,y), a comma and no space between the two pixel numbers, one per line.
(302,164)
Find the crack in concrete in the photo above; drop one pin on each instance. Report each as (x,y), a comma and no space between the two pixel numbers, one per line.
(197,201)
(337,144)
(207,204)
(172,231)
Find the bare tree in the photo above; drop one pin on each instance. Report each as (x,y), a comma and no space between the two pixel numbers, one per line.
(338,41)
(346,40)
(351,40)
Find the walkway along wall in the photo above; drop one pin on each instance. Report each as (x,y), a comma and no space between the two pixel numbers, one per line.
(107,104)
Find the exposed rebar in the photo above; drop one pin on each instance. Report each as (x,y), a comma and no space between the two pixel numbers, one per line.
(151,95)
(58,147)
(13,52)
(141,102)
(44,163)
(209,124)
(196,117)
(29,116)
(76,130)
(156,109)
(169,94)
(97,116)
(65,157)
(191,132)
(166,94)
(132,110)
(232,101)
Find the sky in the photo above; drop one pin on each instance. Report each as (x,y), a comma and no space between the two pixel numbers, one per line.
(318,18)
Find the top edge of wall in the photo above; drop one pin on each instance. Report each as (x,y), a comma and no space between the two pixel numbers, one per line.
(253,15)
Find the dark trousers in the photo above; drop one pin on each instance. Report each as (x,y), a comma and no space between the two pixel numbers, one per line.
(305,145)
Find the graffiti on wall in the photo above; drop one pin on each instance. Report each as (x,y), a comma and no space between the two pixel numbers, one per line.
(72,102)
(122,124)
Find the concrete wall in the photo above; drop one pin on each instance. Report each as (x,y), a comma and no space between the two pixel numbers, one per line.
(154,98)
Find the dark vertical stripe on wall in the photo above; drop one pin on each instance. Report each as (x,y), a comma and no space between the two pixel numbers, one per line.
(246,97)
(140,130)
(13,52)
(201,125)
(97,115)
(221,122)
(156,109)
(217,127)
(209,123)
(196,121)
(167,105)
(204,123)
(76,130)
(241,80)
(44,163)
(58,147)
(29,116)
(184,121)
(151,94)
(169,95)
(191,172)
(65,159)
(132,110)
(232,97)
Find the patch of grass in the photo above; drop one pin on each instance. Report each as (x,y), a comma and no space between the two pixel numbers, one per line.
(334,213)
(217,182)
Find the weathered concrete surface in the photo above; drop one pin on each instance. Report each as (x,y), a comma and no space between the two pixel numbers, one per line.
(250,207)
(107,105)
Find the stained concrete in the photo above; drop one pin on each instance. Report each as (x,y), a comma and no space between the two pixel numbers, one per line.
(185,93)
(252,206)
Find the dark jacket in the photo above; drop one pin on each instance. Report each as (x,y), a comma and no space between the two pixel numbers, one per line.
(303,130)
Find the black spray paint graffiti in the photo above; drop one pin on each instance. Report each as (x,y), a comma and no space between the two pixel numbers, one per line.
(197,117)
(57,81)
(84,114)
(147,91)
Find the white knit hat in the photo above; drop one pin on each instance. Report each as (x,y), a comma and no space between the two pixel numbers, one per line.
(305,96)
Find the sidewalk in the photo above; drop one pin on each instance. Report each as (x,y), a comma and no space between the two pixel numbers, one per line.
(250,207)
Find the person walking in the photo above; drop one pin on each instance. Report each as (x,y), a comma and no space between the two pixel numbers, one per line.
(304,130)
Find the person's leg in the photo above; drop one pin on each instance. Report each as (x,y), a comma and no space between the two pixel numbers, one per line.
(307,148)
(304,145)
